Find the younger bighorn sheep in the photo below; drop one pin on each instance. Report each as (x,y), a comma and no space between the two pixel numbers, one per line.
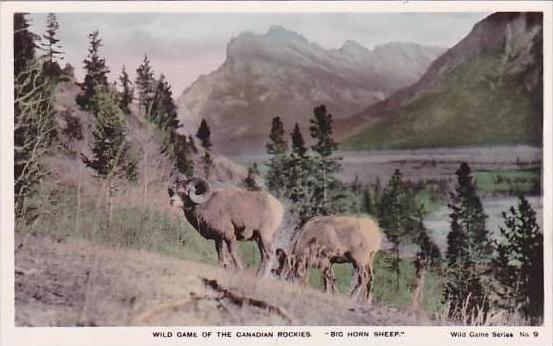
(229,215)
(326,240)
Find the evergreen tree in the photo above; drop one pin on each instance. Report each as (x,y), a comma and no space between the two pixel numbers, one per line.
(348,197)
(96,73)
(368,206)
(277,143)
(163,111)
(204,135)
(395,217)
(68,71)
(111,157)
(34,117)
(469,248)
(23,44)
(277,147)
(321,131)
(470,217)
(52,48)
(145,84)
(298,144)
(181,152)
(296,173)
(518,262)
(428,256)
(326,166)
(127,93)
(250,182)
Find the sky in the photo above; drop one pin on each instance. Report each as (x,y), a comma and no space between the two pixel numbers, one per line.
(184,46)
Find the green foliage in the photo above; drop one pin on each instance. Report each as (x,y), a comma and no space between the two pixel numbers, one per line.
(136,228)
(110,150)
(277,147)
(162,109)
(155,99)
(127,93)
(518,263)
(277,143)
(298,143)
(468,248)
(308,179)
(321,131)
(145,84)
(52,48)
(180,151)
(368,206)
(473,106)
(250,253)
(250,181)
(325,166)
(428,254)
(96,74)
(507,181)
(396,215)
(384,279)
(204,135)
(23,44)
(470,217)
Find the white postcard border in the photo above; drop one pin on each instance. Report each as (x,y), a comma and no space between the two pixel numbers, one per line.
(414,335)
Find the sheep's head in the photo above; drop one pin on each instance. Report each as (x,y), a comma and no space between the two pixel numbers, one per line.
(187,193)
(291,267)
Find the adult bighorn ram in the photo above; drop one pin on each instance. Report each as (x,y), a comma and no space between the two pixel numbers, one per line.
(326,240)
(229,215)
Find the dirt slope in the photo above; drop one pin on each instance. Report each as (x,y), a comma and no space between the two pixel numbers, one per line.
(72,283)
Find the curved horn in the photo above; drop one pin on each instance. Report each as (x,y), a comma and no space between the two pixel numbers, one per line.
(199,190)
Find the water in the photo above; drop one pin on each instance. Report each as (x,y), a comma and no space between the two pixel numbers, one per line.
(438,222)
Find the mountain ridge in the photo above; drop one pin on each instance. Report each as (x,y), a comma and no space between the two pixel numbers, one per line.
(499,59)
(281,73)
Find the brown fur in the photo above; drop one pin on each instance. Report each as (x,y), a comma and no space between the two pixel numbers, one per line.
(233,214)
(326,240)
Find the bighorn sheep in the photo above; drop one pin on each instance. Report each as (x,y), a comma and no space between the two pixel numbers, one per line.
(326,240)
(229,215)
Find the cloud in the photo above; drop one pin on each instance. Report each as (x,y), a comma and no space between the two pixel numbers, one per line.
(183,46)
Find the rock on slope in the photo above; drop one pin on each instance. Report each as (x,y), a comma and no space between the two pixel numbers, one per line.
(487,89)
(282,74)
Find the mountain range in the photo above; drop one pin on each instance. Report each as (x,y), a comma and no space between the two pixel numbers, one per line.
(281,73)
(486,90)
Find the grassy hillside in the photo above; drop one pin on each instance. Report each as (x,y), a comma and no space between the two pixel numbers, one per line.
(476,104)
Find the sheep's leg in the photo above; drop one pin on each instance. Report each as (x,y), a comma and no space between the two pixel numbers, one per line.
(369,270)
(361,277)
(232,245)
(328,279)
(265,249)
(220,254)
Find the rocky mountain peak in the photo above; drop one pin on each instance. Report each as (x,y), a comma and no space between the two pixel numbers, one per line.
(278,32)
(282,73)
(353,46)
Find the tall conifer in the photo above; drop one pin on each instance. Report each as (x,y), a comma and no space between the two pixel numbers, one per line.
(96,73)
